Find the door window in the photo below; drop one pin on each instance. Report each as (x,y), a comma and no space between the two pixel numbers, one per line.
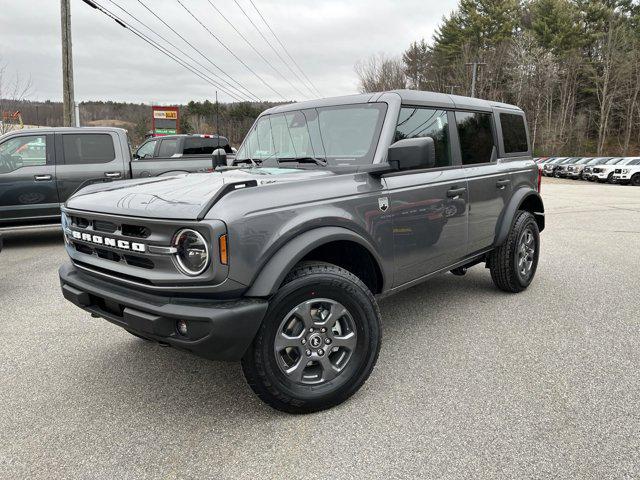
(146,150)
(168,147)
(514,133)
(88,148)
(476,137)
(427,122)
(27,151)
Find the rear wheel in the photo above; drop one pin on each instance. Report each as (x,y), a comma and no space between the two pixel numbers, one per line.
(318,343)
(513,265)
(635,180)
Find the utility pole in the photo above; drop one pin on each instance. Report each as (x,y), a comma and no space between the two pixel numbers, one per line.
(68,103)
(474,75)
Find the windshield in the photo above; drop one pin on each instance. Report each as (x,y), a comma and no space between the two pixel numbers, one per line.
(613,161)
(341,135)
(597,161)
(582,161)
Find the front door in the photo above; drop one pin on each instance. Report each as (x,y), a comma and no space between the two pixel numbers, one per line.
(428,207)
(489,180)
(27,178)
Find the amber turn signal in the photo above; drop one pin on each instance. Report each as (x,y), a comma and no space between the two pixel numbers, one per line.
(224,253)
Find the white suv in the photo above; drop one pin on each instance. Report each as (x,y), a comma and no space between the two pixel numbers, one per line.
(604,172)
(629,173)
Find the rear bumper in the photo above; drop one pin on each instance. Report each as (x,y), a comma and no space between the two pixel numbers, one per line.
(218,330)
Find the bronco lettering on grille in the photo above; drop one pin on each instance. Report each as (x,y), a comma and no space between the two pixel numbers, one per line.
(109,242)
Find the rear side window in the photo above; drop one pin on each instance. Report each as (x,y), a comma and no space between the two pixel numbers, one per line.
(427,122)
(204,145)
(168,147)
(88,148)
(514,133)
(476,137)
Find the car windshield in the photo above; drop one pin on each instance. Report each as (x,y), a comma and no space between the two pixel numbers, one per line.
(625,161)
(635,161)
(582,161)
(613,161)
(597,161)
(341,135)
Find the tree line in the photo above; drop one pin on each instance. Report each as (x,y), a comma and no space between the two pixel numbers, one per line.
(233,120)
(572,65)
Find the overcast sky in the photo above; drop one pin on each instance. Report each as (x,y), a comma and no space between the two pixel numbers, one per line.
(325,37)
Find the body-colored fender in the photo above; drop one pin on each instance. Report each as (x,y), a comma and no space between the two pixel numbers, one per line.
(280,264)
(524,198)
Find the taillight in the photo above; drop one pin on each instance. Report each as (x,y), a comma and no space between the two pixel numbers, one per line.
(539,179)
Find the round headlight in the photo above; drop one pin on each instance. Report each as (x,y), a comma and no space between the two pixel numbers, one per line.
(193,253)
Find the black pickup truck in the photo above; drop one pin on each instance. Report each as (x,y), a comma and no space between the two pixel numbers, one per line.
(41,168)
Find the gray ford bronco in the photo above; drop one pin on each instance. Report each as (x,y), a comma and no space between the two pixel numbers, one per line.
(278,260)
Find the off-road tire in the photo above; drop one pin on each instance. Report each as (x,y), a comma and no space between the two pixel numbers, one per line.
(503,260)
(309,280)
(635,180)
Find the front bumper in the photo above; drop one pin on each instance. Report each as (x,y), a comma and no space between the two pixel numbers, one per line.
(218,330)
(622,177)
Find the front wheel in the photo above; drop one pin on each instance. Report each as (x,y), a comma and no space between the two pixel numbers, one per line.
(318,343)
(513,264)
(635,180)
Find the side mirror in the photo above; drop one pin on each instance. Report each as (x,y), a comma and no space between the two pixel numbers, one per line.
(413,153)
(219,158)
(136,156)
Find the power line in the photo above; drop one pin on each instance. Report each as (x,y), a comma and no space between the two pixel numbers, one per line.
(283,47)
(201,54)
(230,51)
(272,47)
(160,48)
(254,49)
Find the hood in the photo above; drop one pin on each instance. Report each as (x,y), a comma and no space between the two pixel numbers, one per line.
(183,197)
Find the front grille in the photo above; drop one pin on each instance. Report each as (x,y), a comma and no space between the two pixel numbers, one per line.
(136,231)
(136,261)
(102,226)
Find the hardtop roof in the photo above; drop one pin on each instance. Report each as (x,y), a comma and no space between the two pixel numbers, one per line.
(410,97)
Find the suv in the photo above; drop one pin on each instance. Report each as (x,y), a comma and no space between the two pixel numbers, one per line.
(629,173)
(279,259)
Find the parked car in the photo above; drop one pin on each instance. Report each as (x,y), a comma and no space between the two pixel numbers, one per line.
(561,170)
(277,261)
(604,173)
(628,174)
(588,170)
(41,168)
(549,167)
(576,170)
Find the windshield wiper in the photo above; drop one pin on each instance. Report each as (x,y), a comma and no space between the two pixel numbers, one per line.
(317,161)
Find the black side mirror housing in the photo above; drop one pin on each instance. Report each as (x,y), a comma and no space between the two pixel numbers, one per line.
(413,153)
(219,156)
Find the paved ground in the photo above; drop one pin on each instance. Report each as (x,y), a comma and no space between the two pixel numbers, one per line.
(471,382)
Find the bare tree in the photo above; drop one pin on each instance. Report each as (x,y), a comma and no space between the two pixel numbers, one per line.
(12,92)
(379,73)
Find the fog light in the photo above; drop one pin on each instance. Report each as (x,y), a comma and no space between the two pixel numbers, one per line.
(181,326)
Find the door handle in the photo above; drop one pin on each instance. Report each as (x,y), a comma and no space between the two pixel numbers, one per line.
(454,192)
(112,174)
(42,178)
(502,183)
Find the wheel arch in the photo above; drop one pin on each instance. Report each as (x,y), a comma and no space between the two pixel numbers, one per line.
(523,199)
(316,244)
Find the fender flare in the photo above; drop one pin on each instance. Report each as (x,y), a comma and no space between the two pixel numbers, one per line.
(520,196)
(280,264)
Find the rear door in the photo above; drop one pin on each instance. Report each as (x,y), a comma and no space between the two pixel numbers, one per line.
(428,207)
(489,181)
(85,158)
(27,178)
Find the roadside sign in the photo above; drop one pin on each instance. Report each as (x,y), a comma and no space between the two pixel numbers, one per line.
(166,120)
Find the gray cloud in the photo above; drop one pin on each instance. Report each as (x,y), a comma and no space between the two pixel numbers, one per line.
(325,37)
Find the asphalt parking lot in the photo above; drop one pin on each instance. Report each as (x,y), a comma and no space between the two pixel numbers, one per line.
(471,382)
